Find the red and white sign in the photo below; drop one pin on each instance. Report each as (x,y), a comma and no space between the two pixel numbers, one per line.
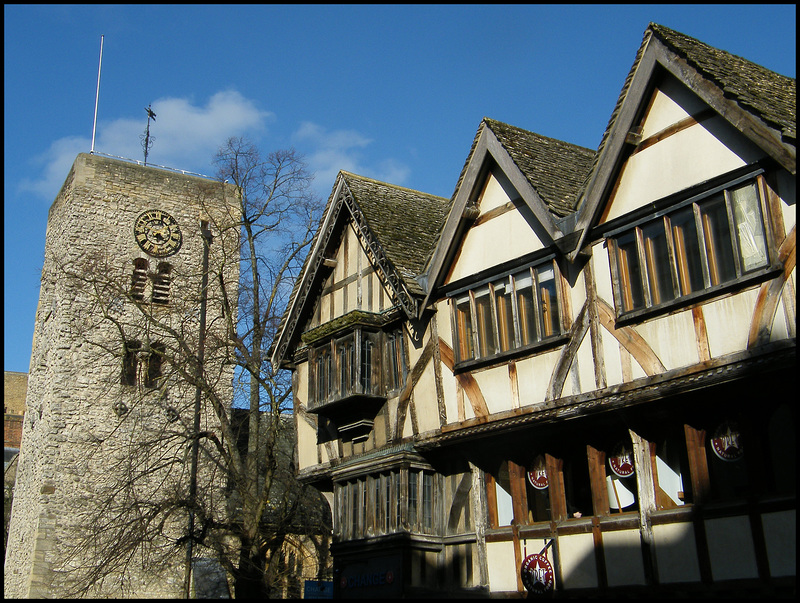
(537,574)
(538,475)
(621,461)
(726,443)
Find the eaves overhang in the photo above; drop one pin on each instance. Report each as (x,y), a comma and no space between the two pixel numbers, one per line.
(770,358)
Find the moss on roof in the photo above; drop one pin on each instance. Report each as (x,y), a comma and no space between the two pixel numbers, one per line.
(405,222)
(554,168)
(770,96)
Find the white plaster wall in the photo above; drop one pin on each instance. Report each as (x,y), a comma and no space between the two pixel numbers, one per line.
(612,358)
(728,322)
(780,534)
(576,556)
(602,273)
(678,162)
(623,553)
(495,241)
(585,365)
(577,296)
(425,401)
(354,250)
(502,566)
(444,328)
(533,375)
(493,195)
(325,308)
(672,338)
(676,553)
(338,303)
(672,103)
(730,547)
(496,387)
(306,434)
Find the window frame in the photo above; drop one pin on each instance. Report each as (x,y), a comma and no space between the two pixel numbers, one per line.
(395,366)
(390,501)
(472,347)
(372,379)
(624,288)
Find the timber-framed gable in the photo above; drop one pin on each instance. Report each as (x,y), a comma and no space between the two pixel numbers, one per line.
(585,354)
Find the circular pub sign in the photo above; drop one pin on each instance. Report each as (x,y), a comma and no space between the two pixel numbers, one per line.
(726,443)
(621,461)
(538,475)
(537,574)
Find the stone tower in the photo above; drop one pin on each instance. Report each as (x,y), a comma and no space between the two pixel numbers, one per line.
(112,389)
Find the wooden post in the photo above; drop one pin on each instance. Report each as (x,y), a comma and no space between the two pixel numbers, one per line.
(647,503)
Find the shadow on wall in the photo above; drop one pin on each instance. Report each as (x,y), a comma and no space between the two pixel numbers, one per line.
(623,567)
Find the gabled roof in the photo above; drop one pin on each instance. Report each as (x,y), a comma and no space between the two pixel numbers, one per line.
(546,172)
(760,103)
(405,222)
(769,96)
(398,228)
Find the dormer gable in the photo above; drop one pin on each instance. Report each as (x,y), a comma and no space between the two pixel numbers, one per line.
(536,176)
(755,103)
(378,229)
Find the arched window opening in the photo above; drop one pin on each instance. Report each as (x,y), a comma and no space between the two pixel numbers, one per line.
(139,280)
(130,362)
(161,282)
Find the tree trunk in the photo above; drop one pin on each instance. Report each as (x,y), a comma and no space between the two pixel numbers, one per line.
(249,580)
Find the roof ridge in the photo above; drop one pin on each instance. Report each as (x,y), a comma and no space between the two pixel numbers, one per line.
(389,184)
(669,35)
(489,121)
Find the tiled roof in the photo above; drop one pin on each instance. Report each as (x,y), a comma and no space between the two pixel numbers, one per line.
(556,169)
(405,222)
(768,95)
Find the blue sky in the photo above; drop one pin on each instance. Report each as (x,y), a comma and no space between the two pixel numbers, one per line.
(394,93)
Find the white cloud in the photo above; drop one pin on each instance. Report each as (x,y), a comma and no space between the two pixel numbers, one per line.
(186,136)
(55,162)
(335,150)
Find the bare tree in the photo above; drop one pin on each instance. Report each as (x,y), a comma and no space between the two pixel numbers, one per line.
(279,217)
(164,466)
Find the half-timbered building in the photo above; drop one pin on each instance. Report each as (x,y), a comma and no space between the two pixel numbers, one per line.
(577,373)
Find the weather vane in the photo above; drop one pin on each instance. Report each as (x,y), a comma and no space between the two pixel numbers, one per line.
(147,140)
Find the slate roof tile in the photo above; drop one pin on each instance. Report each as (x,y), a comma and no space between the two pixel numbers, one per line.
(405,222)
(554,168)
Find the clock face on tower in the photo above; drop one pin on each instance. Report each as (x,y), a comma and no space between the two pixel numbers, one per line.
(157,233)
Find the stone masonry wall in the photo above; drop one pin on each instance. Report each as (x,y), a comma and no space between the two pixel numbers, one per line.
(91,445)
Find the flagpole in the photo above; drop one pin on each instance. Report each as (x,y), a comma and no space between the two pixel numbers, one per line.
(97,93)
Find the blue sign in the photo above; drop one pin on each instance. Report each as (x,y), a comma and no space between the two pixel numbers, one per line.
(318,589)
